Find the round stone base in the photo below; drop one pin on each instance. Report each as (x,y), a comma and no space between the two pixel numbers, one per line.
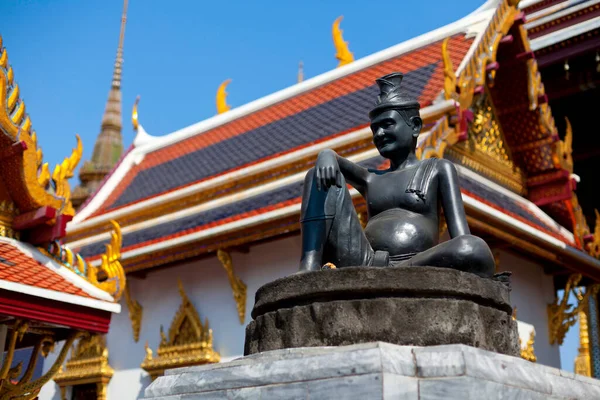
(416,306)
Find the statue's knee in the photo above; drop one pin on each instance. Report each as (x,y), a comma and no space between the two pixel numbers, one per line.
(478,251)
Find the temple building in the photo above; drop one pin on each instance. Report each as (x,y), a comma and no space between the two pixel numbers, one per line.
(109,144)
(50,297)
(210,213)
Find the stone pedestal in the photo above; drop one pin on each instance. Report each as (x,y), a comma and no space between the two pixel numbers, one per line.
(374,371)
(417,306)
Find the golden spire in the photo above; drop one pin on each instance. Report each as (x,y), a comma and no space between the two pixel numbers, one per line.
(300,71)
(116,82)
(582,361)
(343,54)
(109,143)
(222,105)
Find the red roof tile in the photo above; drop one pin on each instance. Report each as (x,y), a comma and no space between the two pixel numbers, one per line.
(427,56)
(15,266)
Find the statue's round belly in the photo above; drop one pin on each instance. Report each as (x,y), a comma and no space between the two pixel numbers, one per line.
(401,232)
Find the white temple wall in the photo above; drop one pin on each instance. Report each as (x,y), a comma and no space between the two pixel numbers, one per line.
(207,286)
(532,291)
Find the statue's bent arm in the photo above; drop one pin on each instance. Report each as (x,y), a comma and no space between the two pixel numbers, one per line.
(330,166)
(355,175)
(452,204)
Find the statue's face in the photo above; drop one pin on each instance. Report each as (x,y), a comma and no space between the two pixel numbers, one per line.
(391,134)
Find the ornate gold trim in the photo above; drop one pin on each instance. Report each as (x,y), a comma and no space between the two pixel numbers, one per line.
(25,389)
(583,365)
(64,171)
(189,343)
(593,248)
(238,287)
(461,89)
(16,124)
(562,315)
(485,151)
(8,210)
(528,353)
(88,364)
(581,229)
(486,49)
(135,314)
(437,139)
(109,276)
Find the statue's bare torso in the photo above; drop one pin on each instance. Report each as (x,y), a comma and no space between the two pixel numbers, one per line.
(400,222)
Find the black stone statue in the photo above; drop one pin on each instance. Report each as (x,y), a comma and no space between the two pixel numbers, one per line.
(403,202)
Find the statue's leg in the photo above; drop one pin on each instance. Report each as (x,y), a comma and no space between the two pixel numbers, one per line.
(466,253)
(331,230)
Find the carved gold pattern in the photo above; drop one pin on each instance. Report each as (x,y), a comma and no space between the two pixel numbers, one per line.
(113,280)
(64,171)
(343,53)
(535,91)
(221,100)
(435,141)
(563,151)
(486,49)
(25,388)
(593,248)
(562,315)
(8,211)
(583,364)
(135,314)
(486,152)
(462,89)
(189,343)
(528,353)
(88,364)
(581,229)
(238,287)
(16,124)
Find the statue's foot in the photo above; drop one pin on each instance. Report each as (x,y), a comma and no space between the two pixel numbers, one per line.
(311,261)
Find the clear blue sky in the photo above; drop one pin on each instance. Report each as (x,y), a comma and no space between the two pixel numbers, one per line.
(178,52)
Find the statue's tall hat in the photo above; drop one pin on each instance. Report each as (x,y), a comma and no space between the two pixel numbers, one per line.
(392,96)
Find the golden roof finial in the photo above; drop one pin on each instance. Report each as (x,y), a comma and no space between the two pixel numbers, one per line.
(134,114)
(111,267)
(222,105)
(449,74)
(343,53)
(300,71)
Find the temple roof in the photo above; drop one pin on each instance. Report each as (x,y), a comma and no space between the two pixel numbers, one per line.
(24,269)
(39,278)
(220,181)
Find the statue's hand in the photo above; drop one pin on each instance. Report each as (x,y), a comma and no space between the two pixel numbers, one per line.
(327,170)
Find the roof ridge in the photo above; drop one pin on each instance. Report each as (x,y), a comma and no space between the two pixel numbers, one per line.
(471,24)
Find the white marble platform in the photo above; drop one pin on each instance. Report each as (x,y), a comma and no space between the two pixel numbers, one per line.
(374,371)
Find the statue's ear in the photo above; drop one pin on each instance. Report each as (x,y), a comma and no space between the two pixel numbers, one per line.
(417,124)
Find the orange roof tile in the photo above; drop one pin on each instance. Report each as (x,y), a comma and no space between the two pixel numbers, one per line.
(15,266)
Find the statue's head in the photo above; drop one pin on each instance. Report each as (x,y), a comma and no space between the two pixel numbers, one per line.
(395,120)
